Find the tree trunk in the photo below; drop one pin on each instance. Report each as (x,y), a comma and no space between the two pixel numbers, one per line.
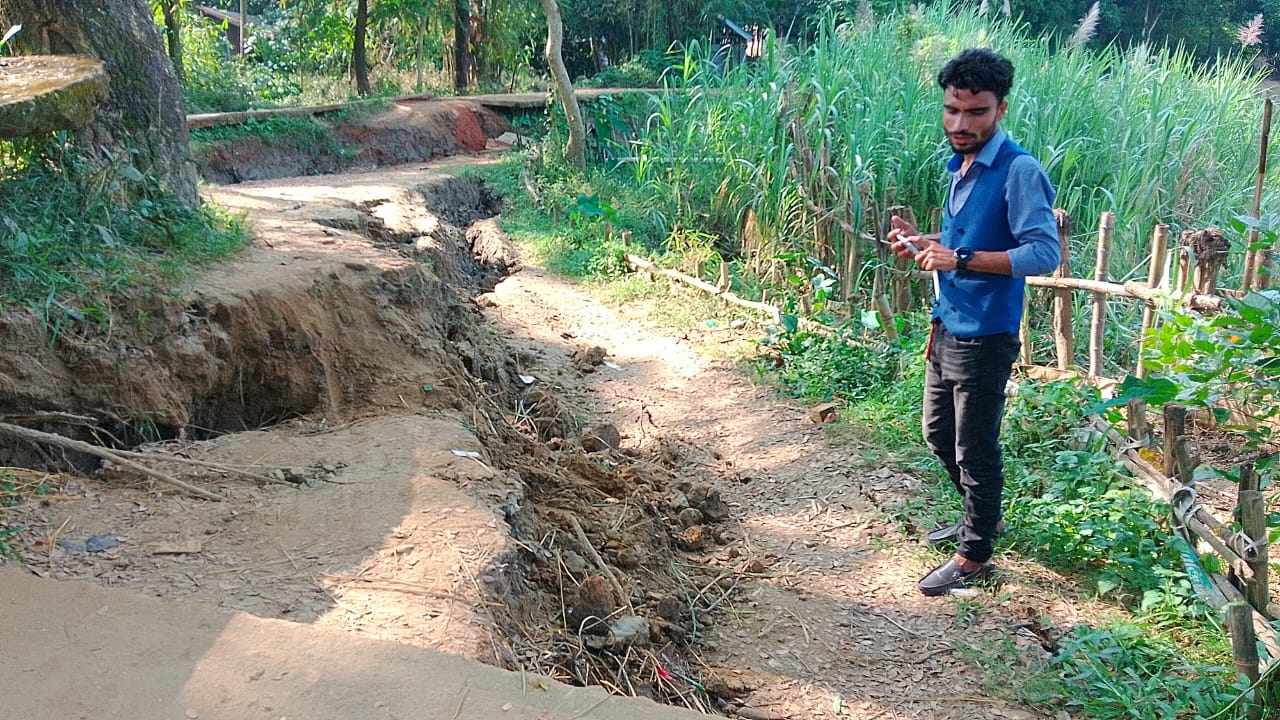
(461,44)
(359,54)
(143,113)
(242,37)
(173,32)
(576,149)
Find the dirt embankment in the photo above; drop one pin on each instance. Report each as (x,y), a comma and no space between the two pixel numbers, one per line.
(445,496)
(409,131)
(320,321)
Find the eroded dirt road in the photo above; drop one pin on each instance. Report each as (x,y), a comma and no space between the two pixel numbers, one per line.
(419,525)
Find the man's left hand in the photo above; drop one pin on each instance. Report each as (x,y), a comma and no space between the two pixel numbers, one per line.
(936,257)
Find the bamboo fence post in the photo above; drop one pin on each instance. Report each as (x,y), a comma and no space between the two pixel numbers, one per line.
(1253,520)
(1182,277)
(1138,428)
(1244,647)
(1175,426)
(1187,459)
(1257,267)
(1098,327)
(1155,276)
(1024,327)
(1062,331)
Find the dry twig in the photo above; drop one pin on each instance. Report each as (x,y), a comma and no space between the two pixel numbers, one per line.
(37,436)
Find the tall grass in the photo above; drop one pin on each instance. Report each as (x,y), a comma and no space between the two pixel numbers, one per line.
(1146,132)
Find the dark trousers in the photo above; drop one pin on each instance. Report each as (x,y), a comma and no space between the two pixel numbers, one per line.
(963,403)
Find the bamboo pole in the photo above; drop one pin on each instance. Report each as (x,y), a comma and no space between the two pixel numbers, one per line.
(887,322)
(1269,636)
(1182,280)
(1132,290)
(1244,649)
(849,266)
(1139,429)
(1237,564)
(1257,269)
(639,263)
(1024,328)
(242,39)
(1155,276)
(1253,520)
(1062,326)
(1106,226)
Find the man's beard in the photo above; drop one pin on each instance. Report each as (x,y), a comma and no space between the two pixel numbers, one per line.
(974,148)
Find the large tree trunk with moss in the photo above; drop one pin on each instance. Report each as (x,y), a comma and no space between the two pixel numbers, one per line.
(461,45)
(173,33)
(143,114)
(360,54)
(576,149)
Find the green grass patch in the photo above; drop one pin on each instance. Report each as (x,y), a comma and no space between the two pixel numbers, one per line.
(75,236)
(565,228)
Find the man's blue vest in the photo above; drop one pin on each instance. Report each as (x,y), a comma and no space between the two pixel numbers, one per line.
(972,304)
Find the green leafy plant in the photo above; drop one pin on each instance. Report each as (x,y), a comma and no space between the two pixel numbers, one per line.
(75,236)
(1121,670)
(1227,364)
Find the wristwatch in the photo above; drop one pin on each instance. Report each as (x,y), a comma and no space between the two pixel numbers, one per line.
(963,256)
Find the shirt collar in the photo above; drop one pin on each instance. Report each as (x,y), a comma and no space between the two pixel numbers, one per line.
(986,156)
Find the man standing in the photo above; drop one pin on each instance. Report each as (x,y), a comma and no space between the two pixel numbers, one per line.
(998,227)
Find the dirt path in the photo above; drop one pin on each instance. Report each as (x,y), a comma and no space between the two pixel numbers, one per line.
(419,523)
(824,600)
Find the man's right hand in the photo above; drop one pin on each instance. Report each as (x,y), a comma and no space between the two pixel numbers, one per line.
(904,240)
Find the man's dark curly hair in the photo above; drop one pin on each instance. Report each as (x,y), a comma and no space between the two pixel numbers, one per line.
(976,70)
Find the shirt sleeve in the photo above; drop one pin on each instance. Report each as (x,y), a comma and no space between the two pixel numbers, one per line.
(1030,196)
